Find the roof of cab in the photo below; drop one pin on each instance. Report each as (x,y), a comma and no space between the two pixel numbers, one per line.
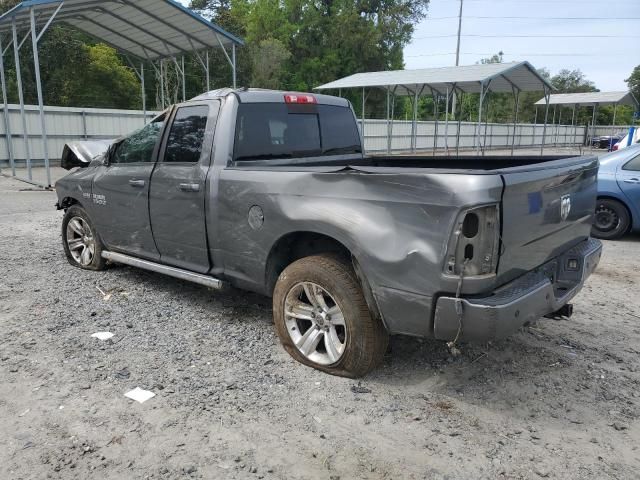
(259,95)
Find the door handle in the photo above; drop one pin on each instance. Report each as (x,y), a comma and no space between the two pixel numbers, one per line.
(632,180)
(190,187)
(136,183)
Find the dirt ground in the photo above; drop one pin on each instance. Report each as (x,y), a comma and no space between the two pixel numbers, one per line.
(557,400)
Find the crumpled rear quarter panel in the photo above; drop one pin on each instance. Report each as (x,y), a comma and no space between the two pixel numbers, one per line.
(395,225)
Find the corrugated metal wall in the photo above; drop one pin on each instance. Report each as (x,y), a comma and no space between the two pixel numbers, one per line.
(497,135)
(66,124)
(63,125)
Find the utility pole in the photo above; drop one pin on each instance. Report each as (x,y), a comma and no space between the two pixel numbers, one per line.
(459,32)
(453,100)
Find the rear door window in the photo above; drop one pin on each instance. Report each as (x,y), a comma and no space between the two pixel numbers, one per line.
(187,134)
(633,164)
(279,130)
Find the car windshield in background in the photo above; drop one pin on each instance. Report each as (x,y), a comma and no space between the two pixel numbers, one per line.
(279,130)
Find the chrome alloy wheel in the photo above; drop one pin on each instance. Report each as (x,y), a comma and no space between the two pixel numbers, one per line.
(315,323)
(80,240)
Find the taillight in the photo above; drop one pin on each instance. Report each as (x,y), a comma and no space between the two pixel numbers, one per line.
(474,242)
(299,98)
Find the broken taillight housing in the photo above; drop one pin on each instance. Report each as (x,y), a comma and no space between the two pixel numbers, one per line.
(474,242)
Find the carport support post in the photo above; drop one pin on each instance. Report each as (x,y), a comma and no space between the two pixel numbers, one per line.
(233,60)
(362,119)
(36,63)
(446,124)
(459,122)
(184,84)
(161,84)
(388,124)
(535,126)
(593,125)
(553,122)
(476,140)
(436,111)
(7,120)
(207,69)
(414,125)
(144,95)
(516,108)
(25,135)
(547,94)
(573,124)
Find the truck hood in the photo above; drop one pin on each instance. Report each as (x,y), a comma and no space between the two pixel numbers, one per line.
(80,154)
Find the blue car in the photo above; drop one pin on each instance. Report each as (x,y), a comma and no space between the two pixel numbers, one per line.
(618,205)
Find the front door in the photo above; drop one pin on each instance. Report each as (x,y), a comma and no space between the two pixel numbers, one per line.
(179,188)
(120,193)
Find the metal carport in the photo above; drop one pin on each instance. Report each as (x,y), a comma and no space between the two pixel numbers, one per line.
(589,99)
(447,82)
(149,30)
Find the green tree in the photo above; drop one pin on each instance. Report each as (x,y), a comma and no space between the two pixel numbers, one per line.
(572,81)
(634,82)
(327,40)
(268,60)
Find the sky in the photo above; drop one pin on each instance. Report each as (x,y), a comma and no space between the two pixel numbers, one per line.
(591,35)
(606,47)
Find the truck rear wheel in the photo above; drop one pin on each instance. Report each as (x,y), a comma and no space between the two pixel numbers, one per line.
(322,318)
(80,240)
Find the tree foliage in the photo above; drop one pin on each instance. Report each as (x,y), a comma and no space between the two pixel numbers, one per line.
(634,82)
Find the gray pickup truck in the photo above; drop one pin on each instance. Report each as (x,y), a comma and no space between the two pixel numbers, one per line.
(271,192)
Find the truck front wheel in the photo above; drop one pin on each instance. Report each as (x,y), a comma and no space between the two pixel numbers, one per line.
(322,317)
(80,240)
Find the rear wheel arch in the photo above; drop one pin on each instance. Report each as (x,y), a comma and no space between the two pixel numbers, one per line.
(296,245)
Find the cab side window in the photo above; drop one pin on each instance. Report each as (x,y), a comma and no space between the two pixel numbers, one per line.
(187,134)
(633,164)
(138,147)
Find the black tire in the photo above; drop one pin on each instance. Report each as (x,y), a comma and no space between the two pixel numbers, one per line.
(365,338)
(611,221)
(93,260)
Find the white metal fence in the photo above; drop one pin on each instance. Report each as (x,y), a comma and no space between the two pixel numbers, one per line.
(65,124)
(492,135)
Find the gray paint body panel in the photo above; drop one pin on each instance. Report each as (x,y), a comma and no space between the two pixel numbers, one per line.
(396,222)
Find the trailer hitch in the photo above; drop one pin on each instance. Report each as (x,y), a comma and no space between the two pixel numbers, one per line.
(562,313)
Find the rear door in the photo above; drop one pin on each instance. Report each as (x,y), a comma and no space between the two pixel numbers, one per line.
(628,177)
(546,210)
(120,193)
(179,187)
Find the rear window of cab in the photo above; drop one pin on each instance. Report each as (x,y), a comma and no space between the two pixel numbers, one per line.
(281,130)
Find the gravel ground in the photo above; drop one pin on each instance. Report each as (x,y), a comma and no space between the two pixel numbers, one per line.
(557,400)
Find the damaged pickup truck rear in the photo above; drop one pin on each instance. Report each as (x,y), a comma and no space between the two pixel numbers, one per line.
(271,192)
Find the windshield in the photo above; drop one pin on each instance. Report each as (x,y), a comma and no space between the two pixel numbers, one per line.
(280,130)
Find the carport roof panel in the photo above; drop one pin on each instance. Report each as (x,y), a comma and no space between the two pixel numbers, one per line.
(591,98)
(145,28)
(502,77)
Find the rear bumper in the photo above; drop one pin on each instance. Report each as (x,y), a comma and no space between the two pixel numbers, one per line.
(533,295)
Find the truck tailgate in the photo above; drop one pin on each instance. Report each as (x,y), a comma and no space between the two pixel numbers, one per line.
(545,211)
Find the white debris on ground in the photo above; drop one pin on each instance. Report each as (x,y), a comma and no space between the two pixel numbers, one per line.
(102,335)
(139,395)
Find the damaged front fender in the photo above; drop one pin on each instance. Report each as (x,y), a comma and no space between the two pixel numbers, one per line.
(81,154)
